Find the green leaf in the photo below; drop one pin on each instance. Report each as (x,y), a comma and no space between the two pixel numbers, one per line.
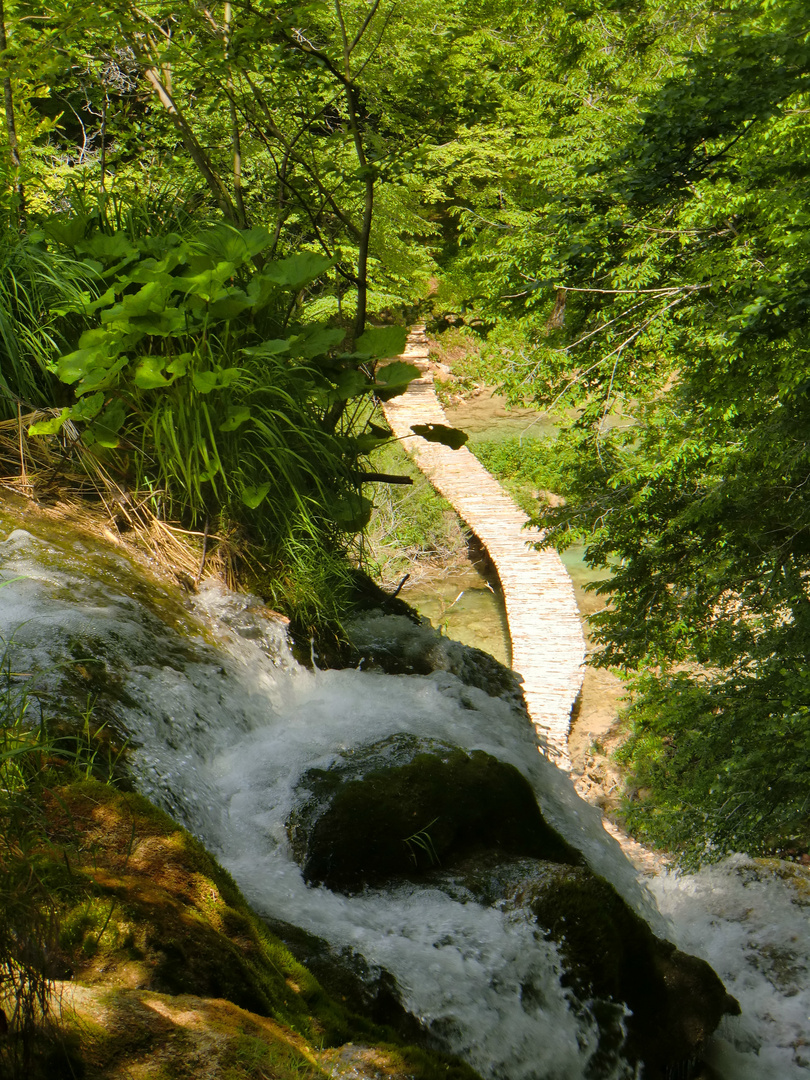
(297,271)
(106,298)
(160,269)
(383,341)
(229,304)
(352,513)
(351,383)
(104,431)
(268,348)
(49,427)
(365,444)
(237,246)
(441,433)
(101,378)
(397,374)
(237,415)
(205,381)
(148,299)
(97,337)
(149,373)
(179,366)
(88,407)
(66,229)
(254,496)
(167,323)
(76,365)
(207,283)
(320,340)
(394,379)
(110,248)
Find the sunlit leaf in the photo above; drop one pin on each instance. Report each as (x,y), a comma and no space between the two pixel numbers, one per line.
(111,248)
(382,341)
(297,271)
(149,373)
(49,427)
(235,245)
(254,496)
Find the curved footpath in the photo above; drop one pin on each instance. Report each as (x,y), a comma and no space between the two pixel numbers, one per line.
(548,647)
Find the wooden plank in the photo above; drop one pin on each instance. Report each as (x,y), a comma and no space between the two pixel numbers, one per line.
(548,647)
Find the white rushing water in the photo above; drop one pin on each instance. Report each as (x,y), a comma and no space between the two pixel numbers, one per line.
(223,725)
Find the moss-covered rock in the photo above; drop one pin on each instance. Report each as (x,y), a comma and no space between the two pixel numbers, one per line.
(674,1001)
(401,806)
(151,924)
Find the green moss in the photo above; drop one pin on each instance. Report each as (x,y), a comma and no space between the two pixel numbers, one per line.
(400,820)
(146,892)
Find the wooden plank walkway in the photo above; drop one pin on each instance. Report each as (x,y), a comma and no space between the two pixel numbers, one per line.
(548,647)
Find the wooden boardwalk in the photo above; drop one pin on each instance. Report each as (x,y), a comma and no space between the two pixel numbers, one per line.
(548,648)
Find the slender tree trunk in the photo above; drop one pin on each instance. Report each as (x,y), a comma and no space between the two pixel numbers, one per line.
(236,140)
(196,152)
(362,259)
(352,104)
(11,129)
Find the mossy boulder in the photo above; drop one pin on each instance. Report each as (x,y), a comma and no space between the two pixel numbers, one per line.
(150,907)
(675,1001)
(170,966)
(401,643)
(402,806)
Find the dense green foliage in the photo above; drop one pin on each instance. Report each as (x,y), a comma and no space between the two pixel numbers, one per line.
(202,207)
(658,273)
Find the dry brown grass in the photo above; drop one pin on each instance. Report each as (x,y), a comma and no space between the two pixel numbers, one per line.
(63,481)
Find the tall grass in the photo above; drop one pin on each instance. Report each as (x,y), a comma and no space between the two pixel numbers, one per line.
(35,287)
(38,752)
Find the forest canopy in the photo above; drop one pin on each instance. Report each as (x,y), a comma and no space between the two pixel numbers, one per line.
(218,220)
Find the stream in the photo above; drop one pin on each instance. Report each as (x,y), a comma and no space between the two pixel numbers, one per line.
(223,724)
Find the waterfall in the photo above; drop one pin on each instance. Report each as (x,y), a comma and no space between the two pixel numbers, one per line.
(223,723)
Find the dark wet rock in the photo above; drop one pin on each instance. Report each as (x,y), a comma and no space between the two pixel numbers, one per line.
(408,808)
(674,1001)
(400,644)
(399,807)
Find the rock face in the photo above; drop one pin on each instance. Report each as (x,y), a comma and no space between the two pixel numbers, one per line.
(172,974)
(675,1000)
(468,823)
(402,806)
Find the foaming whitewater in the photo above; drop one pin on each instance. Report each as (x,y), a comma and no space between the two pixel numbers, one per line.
(223,723)
(751,920)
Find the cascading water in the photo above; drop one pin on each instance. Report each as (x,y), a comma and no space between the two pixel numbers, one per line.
(223,724)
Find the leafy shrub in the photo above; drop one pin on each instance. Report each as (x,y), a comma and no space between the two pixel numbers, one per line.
(719,764)
(192,379)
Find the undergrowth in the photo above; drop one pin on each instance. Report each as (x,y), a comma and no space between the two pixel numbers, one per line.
(530,469)
(701,781)
(412,528)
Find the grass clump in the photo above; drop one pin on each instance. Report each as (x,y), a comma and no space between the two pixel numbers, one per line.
(532,470)
(412,528)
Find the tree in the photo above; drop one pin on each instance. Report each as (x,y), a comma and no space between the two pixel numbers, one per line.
(683,270)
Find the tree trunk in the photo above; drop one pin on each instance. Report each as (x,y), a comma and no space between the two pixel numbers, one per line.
(11,129)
